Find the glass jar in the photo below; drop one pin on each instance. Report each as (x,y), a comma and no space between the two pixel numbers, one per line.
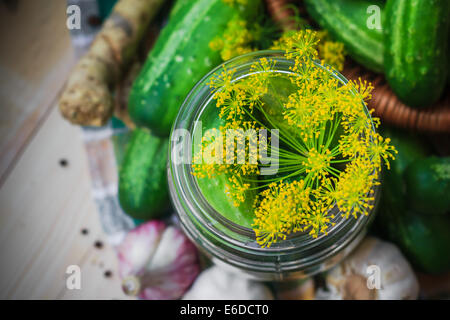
(230,245)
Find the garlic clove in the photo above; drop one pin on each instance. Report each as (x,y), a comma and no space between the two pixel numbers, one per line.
(138,247)
(216,284)
(173,268)
(373,260)
(164,270)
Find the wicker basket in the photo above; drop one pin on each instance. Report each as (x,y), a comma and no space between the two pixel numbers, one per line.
(385,103)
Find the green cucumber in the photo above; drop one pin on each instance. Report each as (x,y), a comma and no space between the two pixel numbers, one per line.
(180,57)
(410,148)
(423,238)
(214,189)
(416,54)
(214,192)
(428,185)
(143,189)
(346,21)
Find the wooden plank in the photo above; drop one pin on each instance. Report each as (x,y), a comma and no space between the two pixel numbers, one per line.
(44,208)
(34,62)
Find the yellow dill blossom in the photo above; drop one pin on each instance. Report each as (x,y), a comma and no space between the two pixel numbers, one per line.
(319,218)
(241,146)
(308,107)
(356,123)
(216,44)
(208,162)
(329,156)
(379,149)
(254,92)
(331,52)
(273,214)
(223,80)
(351,145)
(317,163)
(235,190)
(301,47)
(261,71)
(235,40)
(354,189)
(327,191)
(231,103)
(300,195)
(281,43)
(363,89)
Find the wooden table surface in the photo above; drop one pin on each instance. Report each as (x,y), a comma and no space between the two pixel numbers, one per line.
(44,206)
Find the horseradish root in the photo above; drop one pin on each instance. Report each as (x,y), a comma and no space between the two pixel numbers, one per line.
(87,99)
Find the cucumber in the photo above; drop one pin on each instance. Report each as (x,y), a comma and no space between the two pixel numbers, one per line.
(424,238)
(410,147)
(143,188)
(346,21)
(214,189)
(416,54)
(179,59)
(428,185)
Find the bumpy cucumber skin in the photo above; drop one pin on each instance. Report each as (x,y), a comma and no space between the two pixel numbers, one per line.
(143,189)
(416,54)
(346,21)
(180,57)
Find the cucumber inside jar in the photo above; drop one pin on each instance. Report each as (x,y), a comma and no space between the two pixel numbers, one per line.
(215,186)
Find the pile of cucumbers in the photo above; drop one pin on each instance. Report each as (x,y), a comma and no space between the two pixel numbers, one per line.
(415,204)
(410,44)
(180,57)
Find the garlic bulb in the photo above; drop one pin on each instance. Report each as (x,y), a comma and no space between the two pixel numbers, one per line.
(216,284)
(376,270)
(157,262)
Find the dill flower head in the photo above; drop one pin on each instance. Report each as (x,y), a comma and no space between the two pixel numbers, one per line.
(302,45)
(328,154)
(235,41)
(317,162)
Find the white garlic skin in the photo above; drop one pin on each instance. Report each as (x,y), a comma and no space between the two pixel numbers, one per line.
(160,259)
(217,284)
(349,280)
